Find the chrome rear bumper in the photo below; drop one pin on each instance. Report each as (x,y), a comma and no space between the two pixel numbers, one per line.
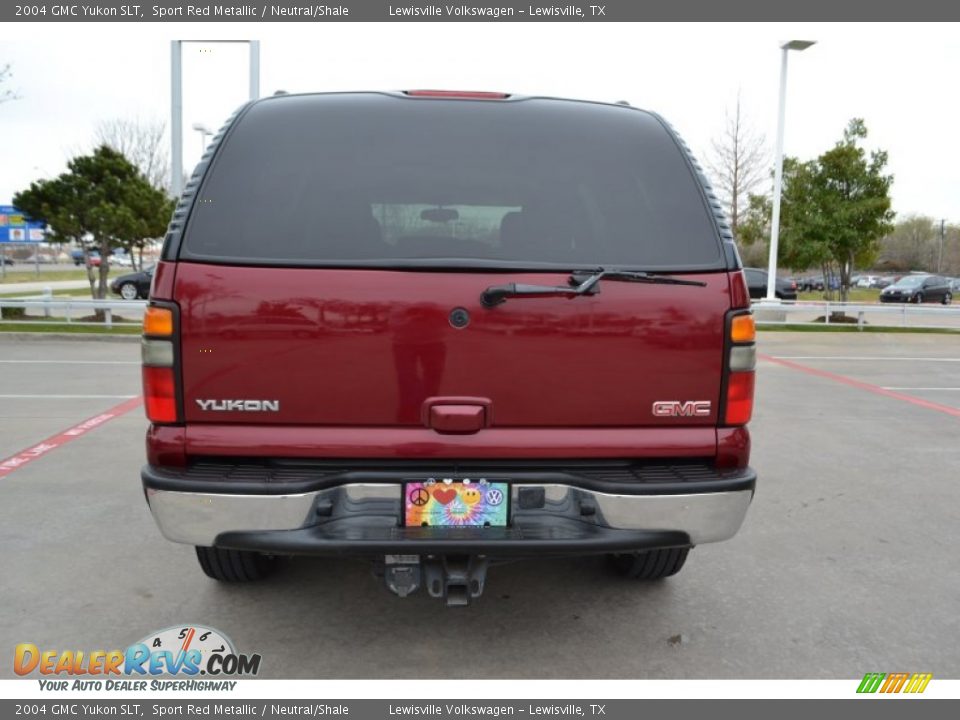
(364,517)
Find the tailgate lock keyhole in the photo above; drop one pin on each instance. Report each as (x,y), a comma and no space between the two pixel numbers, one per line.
(459,317)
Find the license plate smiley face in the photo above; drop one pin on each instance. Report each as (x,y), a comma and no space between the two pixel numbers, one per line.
(455,503)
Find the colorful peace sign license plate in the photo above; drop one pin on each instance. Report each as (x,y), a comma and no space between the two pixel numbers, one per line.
(456,503)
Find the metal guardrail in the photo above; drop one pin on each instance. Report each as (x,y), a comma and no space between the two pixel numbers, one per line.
(792,312)
(62,310)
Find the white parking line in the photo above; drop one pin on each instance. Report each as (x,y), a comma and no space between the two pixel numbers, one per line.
(941,389)
(70,362)
(863,357)
(67,397)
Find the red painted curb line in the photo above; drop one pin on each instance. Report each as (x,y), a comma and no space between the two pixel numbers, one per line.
(27,456)
(876,389)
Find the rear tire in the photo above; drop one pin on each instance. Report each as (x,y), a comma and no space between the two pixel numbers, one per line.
(235,565)
(651,564)
(947,299)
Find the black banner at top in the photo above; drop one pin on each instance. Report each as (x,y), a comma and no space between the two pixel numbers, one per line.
(484,11)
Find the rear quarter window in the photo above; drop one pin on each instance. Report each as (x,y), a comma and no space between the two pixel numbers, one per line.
(363,179)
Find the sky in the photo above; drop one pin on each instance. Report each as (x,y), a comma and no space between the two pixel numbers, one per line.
(899,77)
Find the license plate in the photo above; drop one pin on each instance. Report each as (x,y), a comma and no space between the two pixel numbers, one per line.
(457,503)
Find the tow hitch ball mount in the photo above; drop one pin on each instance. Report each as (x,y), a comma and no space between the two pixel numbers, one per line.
(455,578)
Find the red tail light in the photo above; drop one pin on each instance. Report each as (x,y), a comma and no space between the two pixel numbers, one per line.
(160,394)
(739,294)
(158,350)
(740,361)
(739,398)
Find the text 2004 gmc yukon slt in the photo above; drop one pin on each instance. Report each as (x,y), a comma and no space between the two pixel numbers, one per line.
(439,329)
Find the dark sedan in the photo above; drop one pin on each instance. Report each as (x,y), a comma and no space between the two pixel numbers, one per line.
(918,289)
(810,283)
(133,286)
(757,284)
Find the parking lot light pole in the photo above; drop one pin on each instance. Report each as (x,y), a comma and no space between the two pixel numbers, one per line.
(797,45)
(176,101)
(205,132)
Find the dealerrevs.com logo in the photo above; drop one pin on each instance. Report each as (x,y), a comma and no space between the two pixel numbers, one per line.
(185,651)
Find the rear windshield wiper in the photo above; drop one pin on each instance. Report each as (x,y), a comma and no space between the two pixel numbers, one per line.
(581,282)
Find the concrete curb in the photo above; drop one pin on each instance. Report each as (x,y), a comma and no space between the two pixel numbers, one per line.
(68,336)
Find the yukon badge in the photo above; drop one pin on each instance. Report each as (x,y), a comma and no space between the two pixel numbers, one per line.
(240,405)
(675,408)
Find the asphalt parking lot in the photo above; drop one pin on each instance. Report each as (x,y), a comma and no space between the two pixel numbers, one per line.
(847,562)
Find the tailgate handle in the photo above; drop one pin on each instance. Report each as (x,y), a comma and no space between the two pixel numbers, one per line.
(456,415)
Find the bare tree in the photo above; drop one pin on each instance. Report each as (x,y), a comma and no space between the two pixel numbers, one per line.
(5,75)
(737,163)
(142,143)
(912,245)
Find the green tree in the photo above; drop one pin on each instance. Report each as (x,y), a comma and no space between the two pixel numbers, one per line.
(753,233)
(103,196)
(834,210)
(142,143)
(805,231)
(837,207)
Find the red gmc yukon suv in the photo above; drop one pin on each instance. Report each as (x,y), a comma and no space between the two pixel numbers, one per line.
(438,329)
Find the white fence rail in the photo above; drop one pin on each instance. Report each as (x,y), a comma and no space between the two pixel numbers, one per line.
(801,312)
(43,309)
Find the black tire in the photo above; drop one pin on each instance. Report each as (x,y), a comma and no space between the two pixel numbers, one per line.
(235,565)
(918,298)
(129,291)
(651,564)
(947,299)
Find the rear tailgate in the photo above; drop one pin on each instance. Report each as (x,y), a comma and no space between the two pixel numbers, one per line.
(367,348)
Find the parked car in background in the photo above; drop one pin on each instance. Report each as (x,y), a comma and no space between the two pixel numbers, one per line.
(121,260)
(810,283)
(886,281)
(133,286)
(818,283)
(954,285)
(785,288)
(77,257)
(9,261)
(918,289)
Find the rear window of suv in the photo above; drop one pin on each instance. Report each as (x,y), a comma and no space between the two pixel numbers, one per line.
(374,179)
